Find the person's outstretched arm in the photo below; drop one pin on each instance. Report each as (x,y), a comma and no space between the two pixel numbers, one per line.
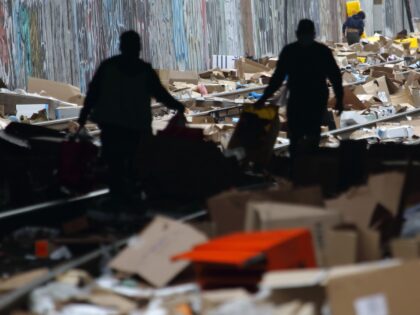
(162,95)
(276,80)
(91,97)
(334,75)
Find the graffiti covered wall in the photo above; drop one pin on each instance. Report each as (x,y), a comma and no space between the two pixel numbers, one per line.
(64,40)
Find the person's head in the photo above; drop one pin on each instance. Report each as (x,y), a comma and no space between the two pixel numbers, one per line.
(361,15)
(306,30)
(130,44)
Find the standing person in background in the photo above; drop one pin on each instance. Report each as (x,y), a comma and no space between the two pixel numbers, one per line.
(354,27)
(118,99)
(308,64)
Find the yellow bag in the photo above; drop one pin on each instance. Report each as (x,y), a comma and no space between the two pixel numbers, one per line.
(353,7)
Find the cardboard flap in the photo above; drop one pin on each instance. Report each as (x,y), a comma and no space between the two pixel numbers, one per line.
(341,247)
(150,255)
(387,188)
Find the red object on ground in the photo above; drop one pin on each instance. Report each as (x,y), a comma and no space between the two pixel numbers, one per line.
(241,259)
(42,249)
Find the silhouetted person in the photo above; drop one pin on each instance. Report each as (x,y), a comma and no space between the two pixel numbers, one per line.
(118,100)
(354,27)
(307,64)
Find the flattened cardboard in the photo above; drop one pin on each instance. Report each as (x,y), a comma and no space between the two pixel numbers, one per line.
(403,96)
(349,100)
(150,255)
(376,87)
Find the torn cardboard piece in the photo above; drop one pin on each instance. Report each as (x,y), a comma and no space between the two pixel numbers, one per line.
(61,91)
(150,254)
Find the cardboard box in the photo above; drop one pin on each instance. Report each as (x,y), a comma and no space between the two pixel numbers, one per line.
(168,77)
(406,249)
(344,288)
(183,76)
(403,96)
(270,215)
(341,246)
(228,210)
(61,91)
(358,204)
(386,291)
(150,254)
(244,66)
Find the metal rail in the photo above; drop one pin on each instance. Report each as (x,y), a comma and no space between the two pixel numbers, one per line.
(50,204)
(60,124)
(350,129)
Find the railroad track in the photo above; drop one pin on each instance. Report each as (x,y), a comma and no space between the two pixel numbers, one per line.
(344,133)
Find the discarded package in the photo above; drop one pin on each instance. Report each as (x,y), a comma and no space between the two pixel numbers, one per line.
(395,132)
(241,259)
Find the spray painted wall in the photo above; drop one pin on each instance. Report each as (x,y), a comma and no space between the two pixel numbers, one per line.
(65,40)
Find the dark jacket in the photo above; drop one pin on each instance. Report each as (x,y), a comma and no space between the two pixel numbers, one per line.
(307,67)
(354,22)
(120,94)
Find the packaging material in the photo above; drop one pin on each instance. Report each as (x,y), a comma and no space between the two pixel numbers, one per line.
(67,112)
(62,91)
(168,77)
(384,291)
(183,76)
(256,133)
(240,259)
(396,132)
(350,118)
(341,246)
(272,63)
(266,216)
(350,100)
(407,249)
(28,110)
(377,87)
(149,255)
(358,204)
(327,286)
(348,244)
(228,209)
(403,96)
(249,66)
